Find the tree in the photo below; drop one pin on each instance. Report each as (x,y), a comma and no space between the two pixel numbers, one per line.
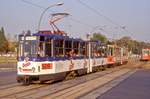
(125,41)
(12,46)
(6,47)
(3,40)
(100,37)
(133,45)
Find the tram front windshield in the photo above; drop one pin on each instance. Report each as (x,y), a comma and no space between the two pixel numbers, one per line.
(27,46)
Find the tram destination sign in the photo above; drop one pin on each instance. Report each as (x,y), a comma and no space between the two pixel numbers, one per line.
(28,38)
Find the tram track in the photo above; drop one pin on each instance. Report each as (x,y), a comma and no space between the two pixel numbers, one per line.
(73,92)
(55,87)
(2,87)
(43,91)
(17,89)
(51,93)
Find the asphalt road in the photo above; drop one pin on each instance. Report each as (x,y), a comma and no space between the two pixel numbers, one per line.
(136,86)
(7,77)
(7,73)
(8,65)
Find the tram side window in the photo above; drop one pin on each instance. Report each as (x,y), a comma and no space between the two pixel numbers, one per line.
(83,49)
(68,47)
(76,48)
(41,38)
(104,52)
(101,51)
(48,47)
(34,48)
(58,48)
(98,50)
(27,49)
(93,49)
(21,49)
(124,52)
(41,49)
(145,52)
(110,51)
(118,52)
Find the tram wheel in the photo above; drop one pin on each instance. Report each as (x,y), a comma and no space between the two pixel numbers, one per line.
(71,75)
(26,80)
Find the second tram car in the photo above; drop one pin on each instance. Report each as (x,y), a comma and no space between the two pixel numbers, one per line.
(116,55)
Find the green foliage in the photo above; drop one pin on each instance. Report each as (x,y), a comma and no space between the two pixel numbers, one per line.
(100,37)
(3,41)
(13,46)
(133,45)
(6,45)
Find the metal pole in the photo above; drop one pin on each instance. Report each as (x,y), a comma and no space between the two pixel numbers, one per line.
(90,61)
(58,4)
(89,69)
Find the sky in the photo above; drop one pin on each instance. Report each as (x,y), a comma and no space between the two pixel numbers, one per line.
(85,17)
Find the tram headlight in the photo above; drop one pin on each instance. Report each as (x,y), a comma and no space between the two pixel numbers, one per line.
(20,69)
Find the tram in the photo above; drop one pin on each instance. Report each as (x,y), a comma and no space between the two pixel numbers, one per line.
(145,55)
(52,55)
(116,55)
(46,56)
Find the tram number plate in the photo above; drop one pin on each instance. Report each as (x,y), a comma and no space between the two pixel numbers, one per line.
(47,66)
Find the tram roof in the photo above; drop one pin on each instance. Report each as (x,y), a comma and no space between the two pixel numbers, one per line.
(50,35)
(57,36)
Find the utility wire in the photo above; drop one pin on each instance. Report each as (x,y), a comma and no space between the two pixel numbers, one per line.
(73,19)
(98,13)
(79,22)
(33,4)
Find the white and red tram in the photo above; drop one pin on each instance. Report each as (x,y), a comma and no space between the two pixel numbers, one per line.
(47,56)
(145,54)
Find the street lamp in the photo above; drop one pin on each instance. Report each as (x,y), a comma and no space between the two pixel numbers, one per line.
(57,4)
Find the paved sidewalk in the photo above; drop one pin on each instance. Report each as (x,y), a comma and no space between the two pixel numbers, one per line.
(136,86)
